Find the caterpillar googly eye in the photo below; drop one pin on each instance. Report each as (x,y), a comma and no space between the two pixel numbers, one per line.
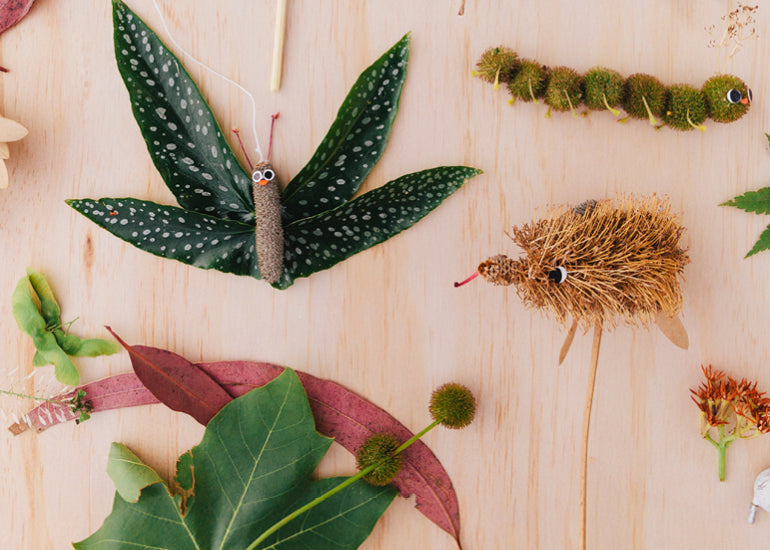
(558,275)
(734,96)
(256,176)
(750,95)
(268,174)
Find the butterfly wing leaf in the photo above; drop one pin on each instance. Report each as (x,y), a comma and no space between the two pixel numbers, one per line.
(183,137)
(355,141)
(317,243)
(172,232)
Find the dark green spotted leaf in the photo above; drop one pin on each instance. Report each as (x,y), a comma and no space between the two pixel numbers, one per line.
(171,232)
(317,243)
(182,135)
(253,466)
(355,141)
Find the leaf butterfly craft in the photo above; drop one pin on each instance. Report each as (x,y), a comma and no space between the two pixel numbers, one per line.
(599,263)
(722,98)
(228,222)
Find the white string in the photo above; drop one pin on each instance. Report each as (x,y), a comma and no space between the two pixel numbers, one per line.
(220,75)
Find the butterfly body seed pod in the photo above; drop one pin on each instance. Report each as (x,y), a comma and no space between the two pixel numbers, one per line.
(269,231)
(599,264)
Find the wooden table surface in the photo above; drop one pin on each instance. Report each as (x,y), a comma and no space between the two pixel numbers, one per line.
(387,323)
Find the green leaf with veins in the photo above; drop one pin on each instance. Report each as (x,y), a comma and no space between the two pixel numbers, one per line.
(253,467)
(759,203)
(214,226)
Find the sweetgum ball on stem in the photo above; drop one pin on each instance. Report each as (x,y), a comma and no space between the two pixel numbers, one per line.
(530,81)
(497,64)
(683,102)
(376,448)
(602,84)
(715,90)
(453,405)
(564,90)
(640,88)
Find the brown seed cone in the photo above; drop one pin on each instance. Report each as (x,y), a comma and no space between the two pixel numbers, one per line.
(269,231)
(622,257)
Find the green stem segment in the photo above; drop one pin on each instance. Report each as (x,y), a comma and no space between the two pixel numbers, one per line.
(331,492)
(721,447)
(25,396)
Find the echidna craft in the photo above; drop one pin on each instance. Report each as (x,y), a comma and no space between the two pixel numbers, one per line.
(722,98)
(599,263)
(245,224)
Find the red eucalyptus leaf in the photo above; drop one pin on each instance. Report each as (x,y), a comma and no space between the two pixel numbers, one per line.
(338,412)
(176,382)
(12,11)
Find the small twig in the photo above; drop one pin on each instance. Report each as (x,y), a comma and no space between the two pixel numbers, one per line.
(586,428)
(280,35)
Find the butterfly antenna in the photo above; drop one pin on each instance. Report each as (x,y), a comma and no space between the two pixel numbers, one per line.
(220,75)
(270,140)
(237,133)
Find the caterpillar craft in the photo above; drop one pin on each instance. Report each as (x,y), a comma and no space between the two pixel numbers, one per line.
(722,98)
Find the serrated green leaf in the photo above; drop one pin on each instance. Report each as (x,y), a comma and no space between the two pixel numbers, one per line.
(171,232)
(763,243)
(253,466)
(129,474)
(49,307)
(355,141)
(317,243)
(752,201)
(182,135)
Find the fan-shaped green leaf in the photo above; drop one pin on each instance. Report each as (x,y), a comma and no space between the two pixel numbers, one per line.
(182,135)
(355,141)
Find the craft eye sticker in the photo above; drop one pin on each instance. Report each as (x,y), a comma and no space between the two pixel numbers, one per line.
(228,222)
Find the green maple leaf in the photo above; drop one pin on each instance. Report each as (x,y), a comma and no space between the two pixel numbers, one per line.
(214,225)
(759,203)
(252,468)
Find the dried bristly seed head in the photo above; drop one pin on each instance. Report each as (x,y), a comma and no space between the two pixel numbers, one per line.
(530,81)
(269,231)
(685,108)
(497,65)
(727,98)
(453,405)
(623,259)
(375,449)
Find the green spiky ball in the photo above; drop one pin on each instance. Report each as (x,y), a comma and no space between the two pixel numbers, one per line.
(530,80)
(683,101)
(497,65)
(718,107)
(565,89)
(645,86)
(602,84)
(453,405)
(376,448)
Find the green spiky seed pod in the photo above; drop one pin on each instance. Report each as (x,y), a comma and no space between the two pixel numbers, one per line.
(718,105)
(641,89)
(603,89)
(376,448)
(530,82)
(453,405)
(565,89)
(497,65)
(685,107)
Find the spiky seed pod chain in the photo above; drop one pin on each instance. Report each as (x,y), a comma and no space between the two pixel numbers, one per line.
(379,448)
(269,231)
(452,405)
(622,260)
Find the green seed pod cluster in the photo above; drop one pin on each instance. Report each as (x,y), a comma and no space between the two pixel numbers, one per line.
(379,448)
(453,405)
(529,83)
(723,98)
(564,90)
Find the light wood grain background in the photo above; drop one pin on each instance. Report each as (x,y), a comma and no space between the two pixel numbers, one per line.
(387,323)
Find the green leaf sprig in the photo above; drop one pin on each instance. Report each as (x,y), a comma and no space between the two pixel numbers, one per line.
(53,343)
(759,203)
(254,464)
(241,223)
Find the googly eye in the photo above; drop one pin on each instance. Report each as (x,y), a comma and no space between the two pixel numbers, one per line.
(256,176)
(750,95)
(734,96)
(558,275)
(268,174)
